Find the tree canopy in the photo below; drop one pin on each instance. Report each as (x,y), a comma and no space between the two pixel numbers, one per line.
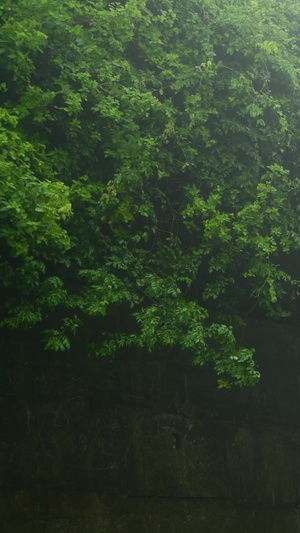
(150,172)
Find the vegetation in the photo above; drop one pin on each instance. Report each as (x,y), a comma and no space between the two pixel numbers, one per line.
(150,172)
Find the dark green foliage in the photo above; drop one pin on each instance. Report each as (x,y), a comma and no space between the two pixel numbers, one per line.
(149,171)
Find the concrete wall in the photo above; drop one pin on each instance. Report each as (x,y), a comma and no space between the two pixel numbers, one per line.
(149,442)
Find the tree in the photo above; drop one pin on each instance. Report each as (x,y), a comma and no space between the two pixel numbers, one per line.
(150,172)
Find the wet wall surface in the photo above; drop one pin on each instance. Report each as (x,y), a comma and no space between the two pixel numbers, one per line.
(80,512)
(149,443)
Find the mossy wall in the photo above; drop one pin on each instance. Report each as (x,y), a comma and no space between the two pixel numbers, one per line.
(148,442)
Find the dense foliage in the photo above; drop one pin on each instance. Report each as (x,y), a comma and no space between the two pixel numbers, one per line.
(150,172)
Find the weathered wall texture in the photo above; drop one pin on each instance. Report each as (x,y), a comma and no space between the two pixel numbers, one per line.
(149,443)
